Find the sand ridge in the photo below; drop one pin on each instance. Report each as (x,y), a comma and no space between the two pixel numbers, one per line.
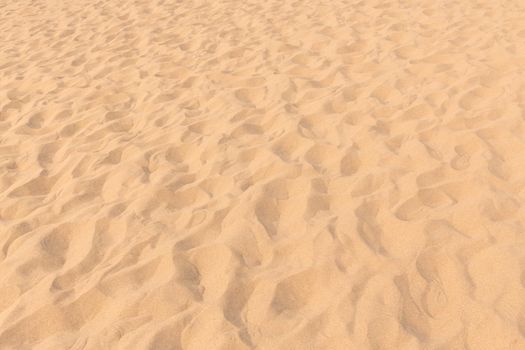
(262,175)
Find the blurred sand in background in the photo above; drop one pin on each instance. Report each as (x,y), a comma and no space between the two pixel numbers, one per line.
(262,174)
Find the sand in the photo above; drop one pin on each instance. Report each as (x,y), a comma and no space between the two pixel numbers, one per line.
(262,174)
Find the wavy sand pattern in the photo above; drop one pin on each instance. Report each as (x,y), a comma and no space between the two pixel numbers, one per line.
(262,175)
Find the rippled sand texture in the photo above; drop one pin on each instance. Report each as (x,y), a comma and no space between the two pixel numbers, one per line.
(262,175)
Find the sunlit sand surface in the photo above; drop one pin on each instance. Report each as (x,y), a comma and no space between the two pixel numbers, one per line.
(262,175)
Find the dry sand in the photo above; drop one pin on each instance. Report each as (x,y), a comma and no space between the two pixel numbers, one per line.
(262,175)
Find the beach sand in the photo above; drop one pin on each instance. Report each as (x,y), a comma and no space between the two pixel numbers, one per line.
(262,174)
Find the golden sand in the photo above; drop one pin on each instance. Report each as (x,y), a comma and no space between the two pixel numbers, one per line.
(262,174)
